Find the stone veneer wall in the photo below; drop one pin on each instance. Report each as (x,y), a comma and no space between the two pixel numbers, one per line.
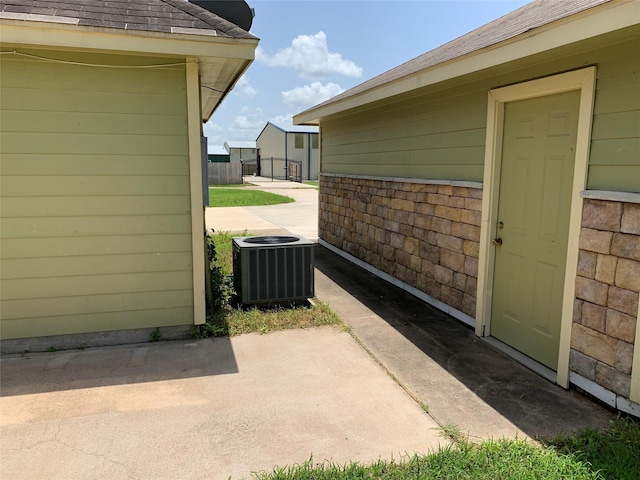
(607,286)
(424,234)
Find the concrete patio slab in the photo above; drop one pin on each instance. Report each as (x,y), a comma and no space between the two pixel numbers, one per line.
(204,408)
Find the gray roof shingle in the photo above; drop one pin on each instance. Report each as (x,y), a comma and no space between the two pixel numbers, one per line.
(533,15)
(148,15)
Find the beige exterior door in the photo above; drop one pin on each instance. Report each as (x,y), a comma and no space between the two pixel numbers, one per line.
(536,178)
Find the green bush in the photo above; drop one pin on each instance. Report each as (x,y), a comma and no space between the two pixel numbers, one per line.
(220,285)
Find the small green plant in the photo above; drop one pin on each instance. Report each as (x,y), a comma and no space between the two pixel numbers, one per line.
(52,349)
(220,285)
(213,328)
(453,433)
(154,336)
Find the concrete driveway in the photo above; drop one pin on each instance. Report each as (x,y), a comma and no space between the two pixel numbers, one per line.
(298,218)
(203,408)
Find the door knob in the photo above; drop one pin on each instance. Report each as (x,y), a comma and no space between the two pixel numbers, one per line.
(497,241)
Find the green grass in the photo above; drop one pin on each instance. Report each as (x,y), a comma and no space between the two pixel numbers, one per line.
(311,182)
(614,452)
(231,185)
(232,321)
(490,460)
(224,251)
(238,321)
(241,197)
(608,454)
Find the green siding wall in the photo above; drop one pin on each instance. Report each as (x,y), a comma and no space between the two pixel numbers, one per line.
(614,163)
(441,134)
(424,137)
(95,200)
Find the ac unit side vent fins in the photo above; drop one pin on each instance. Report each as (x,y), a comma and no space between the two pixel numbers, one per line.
(271,272)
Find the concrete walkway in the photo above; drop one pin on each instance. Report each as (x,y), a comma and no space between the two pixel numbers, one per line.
(299,218)
(462,379)
(229,407)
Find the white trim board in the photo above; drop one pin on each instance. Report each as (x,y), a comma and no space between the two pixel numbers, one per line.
(457,314)
(418,181)
(611,196)
(606,396)
(195,181)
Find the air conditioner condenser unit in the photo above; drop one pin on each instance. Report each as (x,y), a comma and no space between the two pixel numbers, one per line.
(273,269)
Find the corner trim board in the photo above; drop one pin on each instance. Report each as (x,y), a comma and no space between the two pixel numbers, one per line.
(195,182)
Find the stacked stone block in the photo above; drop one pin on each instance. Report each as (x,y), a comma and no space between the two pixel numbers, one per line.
(425,235)
(607,293)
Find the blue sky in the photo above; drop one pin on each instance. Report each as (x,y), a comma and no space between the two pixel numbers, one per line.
(311,50)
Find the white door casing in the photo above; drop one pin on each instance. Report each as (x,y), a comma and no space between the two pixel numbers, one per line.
(584,81)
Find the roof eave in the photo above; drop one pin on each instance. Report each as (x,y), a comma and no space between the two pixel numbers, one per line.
(222,60)
(590,23)
(62,35)
(229,75)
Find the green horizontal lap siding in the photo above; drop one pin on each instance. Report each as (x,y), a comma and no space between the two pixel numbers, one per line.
(95,208)
(44,326)
(423,137)
(614,162)
(441,134)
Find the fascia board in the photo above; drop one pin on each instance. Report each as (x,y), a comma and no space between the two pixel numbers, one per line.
(607,18)
(40,34)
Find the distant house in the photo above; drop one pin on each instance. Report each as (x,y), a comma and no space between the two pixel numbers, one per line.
(218,154)
(278,145)
(497,177)
(101,182)
(241,151)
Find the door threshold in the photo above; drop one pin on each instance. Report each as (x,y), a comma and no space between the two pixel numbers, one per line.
(525,360)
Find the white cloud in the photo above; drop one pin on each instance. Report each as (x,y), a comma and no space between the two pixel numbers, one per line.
(215,133)
(247,126)
(310,95)
(310,57)
(244,88)
(244,127)
(283,120)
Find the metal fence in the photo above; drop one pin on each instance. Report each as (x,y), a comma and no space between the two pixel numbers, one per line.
(281,169)
(249,167)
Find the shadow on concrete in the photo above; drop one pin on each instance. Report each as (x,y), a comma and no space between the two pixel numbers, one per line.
(536,406)
(119,365)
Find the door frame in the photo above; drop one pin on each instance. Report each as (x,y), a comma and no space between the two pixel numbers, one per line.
(583,80)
